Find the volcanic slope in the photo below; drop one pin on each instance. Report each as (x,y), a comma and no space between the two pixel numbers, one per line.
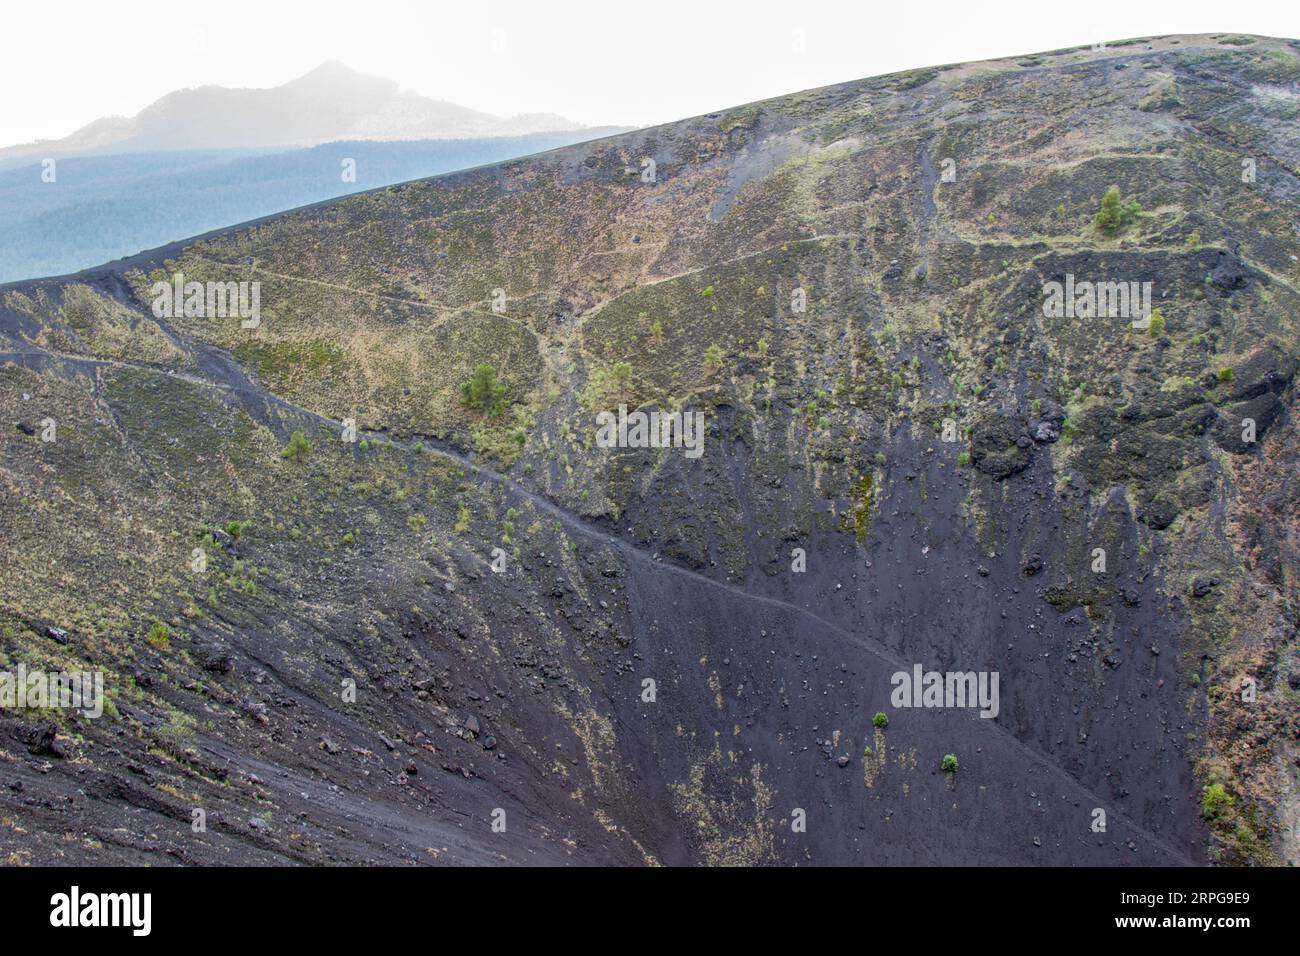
(485,638)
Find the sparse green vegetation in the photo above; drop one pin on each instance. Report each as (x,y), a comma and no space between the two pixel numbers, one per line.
(607,387)
(159,637)
(881,720)
(297,448)
(1215,801)
(1156,328)
(713,358)
(1115,214)
(483,392)
(1225,374)
(950,763)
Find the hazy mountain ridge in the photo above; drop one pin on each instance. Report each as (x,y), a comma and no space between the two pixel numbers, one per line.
(520,696)
(331,103)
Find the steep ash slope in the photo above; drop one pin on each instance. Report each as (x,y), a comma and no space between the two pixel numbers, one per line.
(906,460)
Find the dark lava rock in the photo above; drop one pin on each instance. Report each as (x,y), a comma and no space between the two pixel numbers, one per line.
(214,658)
(1157,512)
(472,724)
(27,428)
(842,760)
(1045,431)
(489,742)
(1052,412)
(58,634)
(39,739)
(1266,369)
(1203,585)
(994,447)
(1033,565)
(1229,273)
(1229,429)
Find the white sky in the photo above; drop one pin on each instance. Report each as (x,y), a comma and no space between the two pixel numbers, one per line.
(627,62)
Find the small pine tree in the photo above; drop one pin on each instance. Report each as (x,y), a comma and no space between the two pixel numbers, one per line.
(713,358)
(297,448)
(620,380)
(483,392)
(1157,326)
(1115,214)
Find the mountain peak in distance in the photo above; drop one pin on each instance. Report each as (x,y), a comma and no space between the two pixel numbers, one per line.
(331,102)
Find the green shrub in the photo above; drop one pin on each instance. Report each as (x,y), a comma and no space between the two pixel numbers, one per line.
(963,459)
(483,392)
(708,291)
(1115,214)
(1225,374)
(159,637)
(297,448)
(1216,800)
(236,528)
(1157,326)
(713,357)
(949,763)
(881,720)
